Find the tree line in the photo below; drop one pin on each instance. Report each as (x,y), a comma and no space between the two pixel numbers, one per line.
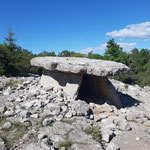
(14,60)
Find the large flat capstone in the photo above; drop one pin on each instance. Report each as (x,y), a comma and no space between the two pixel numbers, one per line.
(81,65)
(81,77)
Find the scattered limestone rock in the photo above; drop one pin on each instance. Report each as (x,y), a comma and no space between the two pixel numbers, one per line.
(112,146)
(50,111)
(81,108)
(31,146)
(7,125)
(125,126)
(3,146)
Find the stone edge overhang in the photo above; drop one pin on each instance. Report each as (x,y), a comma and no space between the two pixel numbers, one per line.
(54,67)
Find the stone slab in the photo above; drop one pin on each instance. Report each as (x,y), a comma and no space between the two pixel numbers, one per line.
(69,82)
(81,65)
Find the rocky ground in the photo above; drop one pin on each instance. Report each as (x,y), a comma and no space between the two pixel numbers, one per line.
(36,118)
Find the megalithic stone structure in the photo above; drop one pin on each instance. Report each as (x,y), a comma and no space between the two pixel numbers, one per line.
(81,77)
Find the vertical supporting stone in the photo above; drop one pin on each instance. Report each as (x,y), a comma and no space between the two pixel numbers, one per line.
(99,88)
(108,91)
(69,82)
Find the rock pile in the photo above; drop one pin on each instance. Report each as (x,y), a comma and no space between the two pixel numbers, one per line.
(46,118)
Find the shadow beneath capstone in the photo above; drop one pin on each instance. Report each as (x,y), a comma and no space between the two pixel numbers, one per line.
(91,89)
(127,100)
(90,93)
(63,78)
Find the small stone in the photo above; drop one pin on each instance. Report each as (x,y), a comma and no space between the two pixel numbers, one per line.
(58,118)
(137,138)
(7,92)
(112,146)
(26,122)
(35,116)
(107,134)
(47,121)
(125,126)
(11,99)
(9,113)
(7,125)
(64,108)
(18,99)
(106,137)
(3,145)
(91,116)
(32,93)
(28,114)
(25,83)
(147,114)
(59,94)
(41,136)
(98,117)
(80,107)
(123,110)
(147,123)
(147,131)
(69,114)
(54,108)
(3,109)
(32,146)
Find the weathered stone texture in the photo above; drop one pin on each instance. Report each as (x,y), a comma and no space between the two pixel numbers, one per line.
(81,65)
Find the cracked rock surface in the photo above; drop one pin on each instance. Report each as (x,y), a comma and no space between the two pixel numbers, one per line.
(81,65)
(36,118)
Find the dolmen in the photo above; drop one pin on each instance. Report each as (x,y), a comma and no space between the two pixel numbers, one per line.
(82,78)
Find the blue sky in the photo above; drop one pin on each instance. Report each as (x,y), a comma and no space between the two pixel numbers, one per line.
(78,25)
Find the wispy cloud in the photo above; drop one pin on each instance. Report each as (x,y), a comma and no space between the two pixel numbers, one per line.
(102,47)
(140,31)
(126,47)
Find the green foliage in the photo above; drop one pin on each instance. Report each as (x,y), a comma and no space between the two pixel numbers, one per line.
(10,40)
(112,50)
(137,60)
(16,61)
(16,132)
(95,56)
(45,53)
(66,53)
(11,83)
(67,144)
(95,132)
(67,121)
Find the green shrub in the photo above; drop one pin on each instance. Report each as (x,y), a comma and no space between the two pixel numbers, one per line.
(67,144)
(95,132)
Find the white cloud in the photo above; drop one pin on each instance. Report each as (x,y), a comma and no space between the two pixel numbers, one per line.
(140,31)
(126,47)
(87,50)
(102,47)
